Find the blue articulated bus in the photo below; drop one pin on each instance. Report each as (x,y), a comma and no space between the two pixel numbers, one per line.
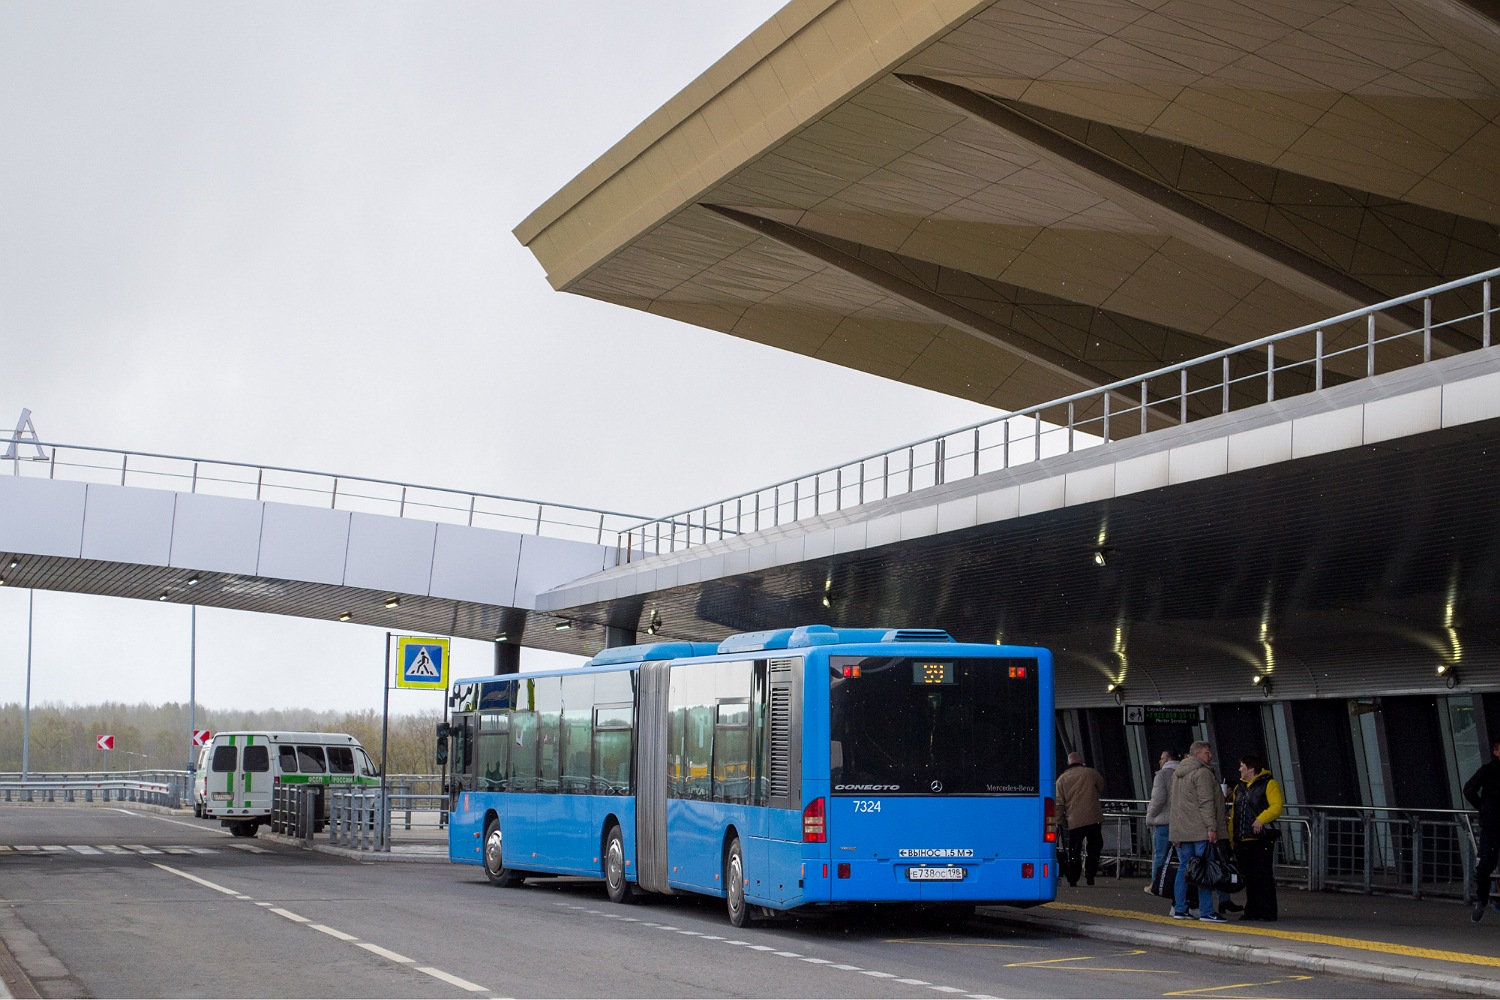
(786,770)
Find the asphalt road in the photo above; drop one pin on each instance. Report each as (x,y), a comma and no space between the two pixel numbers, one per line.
(110,902)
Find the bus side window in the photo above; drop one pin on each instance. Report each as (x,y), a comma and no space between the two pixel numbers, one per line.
(257,758)
(340,760)
(225,758)
(286,758)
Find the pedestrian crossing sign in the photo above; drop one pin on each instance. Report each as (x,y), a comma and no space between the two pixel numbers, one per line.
(422,663)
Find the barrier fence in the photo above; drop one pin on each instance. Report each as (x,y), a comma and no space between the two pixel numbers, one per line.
(1415,852)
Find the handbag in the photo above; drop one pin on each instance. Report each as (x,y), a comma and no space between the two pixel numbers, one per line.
(1165,883)
(1215,869)
(1269,833)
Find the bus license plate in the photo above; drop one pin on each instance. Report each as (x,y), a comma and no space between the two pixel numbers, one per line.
(935,874)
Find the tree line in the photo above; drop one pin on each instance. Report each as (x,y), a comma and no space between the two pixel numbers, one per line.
(157,737)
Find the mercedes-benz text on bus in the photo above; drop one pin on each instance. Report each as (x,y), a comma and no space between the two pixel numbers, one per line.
(783,770)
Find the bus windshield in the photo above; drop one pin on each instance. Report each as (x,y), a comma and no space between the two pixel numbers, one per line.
(933,725)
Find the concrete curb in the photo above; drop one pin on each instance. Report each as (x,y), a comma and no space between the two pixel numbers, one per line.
(354,854)
(1253,954)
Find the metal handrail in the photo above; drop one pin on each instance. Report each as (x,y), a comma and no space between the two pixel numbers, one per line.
(1347,347)
(242,480)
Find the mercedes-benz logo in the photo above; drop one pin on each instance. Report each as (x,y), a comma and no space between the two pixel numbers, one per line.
(936,786)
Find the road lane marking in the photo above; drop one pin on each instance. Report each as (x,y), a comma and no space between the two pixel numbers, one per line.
(295,917)
(193,878)
(332,932)
(452,980)
(1384,947)
(162,819)
(914,982)
(385,953)
(84,849)
(142,849)
(1238,986)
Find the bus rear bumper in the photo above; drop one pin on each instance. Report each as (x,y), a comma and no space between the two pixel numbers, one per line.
(975,881)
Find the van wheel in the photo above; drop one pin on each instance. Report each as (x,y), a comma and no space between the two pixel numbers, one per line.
(494,859)
(734,886)
(244,829)
(198,810)
(620,890)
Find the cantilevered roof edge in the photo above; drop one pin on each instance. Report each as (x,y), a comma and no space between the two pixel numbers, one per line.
(808,59)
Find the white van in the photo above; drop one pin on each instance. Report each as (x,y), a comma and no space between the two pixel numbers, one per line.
(245,767)
(200,780)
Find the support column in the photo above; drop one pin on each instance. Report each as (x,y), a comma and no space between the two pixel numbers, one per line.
(507,658)
(616,636)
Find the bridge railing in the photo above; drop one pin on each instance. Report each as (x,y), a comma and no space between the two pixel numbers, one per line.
(1414,852)
(1403,332)
(79,463)
(178,783)
(108,790)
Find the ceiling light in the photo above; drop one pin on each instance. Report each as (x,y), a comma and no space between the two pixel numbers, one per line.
(192,581)
(1099,557)
(345,616)
(501,637)
(562,626)
(2,581)
(1443,668)
(163,596)
(393,602)
(14,563)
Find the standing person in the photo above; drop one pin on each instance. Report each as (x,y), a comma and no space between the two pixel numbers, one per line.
(1158,813)
(1197,810)
(1078,791)
(1257,805)
(1483,792)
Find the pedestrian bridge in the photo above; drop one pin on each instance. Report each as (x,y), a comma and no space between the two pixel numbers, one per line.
(1322,505)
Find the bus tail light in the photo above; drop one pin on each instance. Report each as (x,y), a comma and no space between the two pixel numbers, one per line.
(1049,820)
(843,869)
(1028,870)
(814,829)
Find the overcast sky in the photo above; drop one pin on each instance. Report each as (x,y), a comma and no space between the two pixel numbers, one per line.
(281,233)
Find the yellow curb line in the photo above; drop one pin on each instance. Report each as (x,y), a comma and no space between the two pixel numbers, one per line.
(1383,947)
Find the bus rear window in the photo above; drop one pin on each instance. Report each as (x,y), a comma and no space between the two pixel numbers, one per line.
(946,726)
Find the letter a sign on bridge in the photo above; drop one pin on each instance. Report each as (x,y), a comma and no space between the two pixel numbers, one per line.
(422,663)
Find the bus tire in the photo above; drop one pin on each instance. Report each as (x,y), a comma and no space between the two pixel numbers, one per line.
(494,859)
(620,890)
(740,912)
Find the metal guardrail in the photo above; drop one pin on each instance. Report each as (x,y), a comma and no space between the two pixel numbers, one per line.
(181,782)
(358,819)
(294,811)
(1415,852)
(116,790)
(240,480)
(1400,333)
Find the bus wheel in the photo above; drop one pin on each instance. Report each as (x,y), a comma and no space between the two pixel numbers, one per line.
(620,891)
(734,886)
(494,860)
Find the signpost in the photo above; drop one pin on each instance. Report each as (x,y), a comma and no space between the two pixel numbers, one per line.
(105,743)
(1163,715)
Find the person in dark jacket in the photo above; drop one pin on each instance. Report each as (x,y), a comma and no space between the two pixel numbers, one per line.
(1483,792)
(1256,805)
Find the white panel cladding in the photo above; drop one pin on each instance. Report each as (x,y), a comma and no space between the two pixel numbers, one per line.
(1198,461)
(303,543)
(1471,400)
(1042,494)
(551,562)
(1000,505)
(121,524)
(1414,413)
(475,564)
(219,534)
(1325,432)
(1144,472)
(41,517)
(1261,446)
(389,553)
(955,515)
(1089,485)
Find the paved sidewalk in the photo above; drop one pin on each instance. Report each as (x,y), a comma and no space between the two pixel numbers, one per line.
(1427,943)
